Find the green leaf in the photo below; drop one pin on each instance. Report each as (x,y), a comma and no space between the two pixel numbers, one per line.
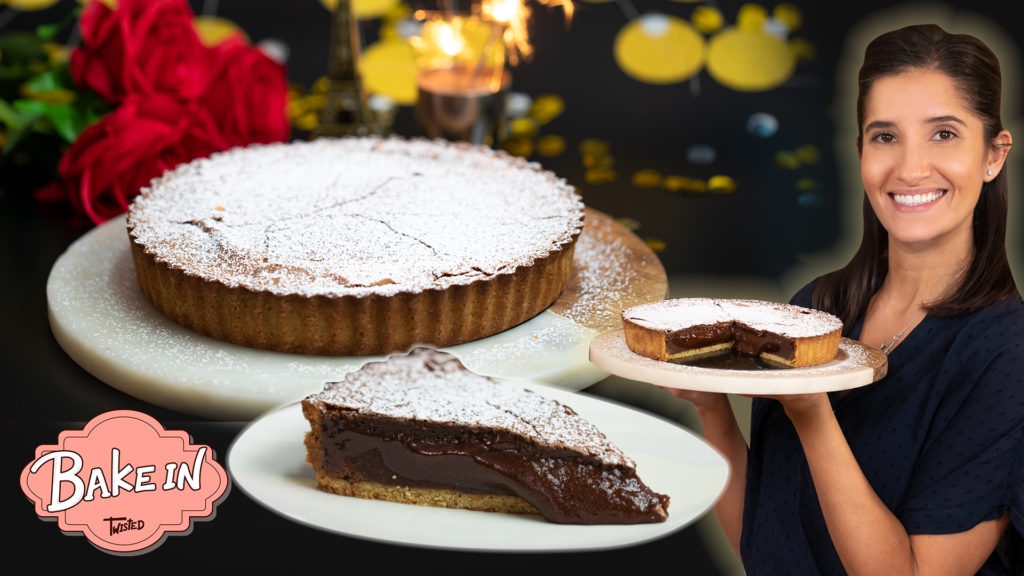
(18,132)
(21,55)
(8,116)
(91,108)
(66,121)
(47,116)
(49,31)
(20,46)
(45,82)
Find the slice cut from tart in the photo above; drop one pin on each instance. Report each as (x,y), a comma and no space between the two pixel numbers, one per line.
(420,428)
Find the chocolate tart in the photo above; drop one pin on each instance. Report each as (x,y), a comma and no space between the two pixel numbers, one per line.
(354,246)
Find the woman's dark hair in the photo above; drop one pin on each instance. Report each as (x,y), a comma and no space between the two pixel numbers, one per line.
(974,69)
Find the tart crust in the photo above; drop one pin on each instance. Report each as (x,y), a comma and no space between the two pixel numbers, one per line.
(187,231)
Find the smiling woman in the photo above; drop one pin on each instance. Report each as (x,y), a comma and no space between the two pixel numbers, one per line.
(853,482)
(913,156)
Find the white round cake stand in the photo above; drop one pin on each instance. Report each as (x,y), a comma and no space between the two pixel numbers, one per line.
(101,319)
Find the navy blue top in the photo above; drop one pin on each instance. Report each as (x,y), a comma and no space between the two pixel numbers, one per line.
(939,438)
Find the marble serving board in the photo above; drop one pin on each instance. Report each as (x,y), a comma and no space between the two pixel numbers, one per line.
(854,365)
(101,319)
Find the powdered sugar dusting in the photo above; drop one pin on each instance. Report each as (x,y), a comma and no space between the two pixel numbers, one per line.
(852,353)
(432,385)
(784,319)
(355,216)
(612,269)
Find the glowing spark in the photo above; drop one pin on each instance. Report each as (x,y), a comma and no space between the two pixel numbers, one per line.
(448,40)
(503,11)
(512,18)
(440,41)
(457,37)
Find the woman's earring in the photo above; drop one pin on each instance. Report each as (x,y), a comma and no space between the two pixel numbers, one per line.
(988,172)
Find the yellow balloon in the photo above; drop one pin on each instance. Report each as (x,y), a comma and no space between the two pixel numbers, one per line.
(790,15)
(802,49)
(389,68)
(751,17)
(805,184)
(721,184)
(808,154)
(646,178)
(30,5)
(655,244)
(676,183)
(599,175)
(364,8)
(213,30)
(518,146)
(525,127)
(594,147)
(749,61)
(659,49)
(550,145)
(787,160)
(707,19)
(546,108)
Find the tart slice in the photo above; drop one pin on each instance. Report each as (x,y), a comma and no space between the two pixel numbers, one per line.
(420,428)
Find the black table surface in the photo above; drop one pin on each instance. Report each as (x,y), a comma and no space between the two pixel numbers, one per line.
(47,393)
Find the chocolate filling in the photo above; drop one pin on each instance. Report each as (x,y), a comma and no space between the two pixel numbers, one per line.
(746,340)
(565,487)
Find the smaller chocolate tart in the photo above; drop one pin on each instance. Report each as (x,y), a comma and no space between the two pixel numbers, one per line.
(688,330)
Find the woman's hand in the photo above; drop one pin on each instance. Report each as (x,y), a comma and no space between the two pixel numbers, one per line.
(701,400)
(723,433)
(802,409)
(801,406)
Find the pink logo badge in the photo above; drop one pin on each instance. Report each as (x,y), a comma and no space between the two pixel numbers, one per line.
(125,482)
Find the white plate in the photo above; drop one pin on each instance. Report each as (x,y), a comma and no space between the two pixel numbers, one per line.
(855,365)
(267,461)
(101,319)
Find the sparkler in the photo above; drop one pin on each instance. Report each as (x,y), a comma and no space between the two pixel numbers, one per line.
(463,61)
(512,17)
(494,33)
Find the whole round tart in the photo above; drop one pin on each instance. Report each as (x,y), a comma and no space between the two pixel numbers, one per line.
(354,246)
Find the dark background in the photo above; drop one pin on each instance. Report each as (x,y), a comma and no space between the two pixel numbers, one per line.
(777,218)
(762,230)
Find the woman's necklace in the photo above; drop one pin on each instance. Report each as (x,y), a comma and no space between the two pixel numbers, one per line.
(886,347)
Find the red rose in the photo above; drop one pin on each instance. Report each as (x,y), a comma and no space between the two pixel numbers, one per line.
(141,47)
(114,158)
(248,95)
(175,100)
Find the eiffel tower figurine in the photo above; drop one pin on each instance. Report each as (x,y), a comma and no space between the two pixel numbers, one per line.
(346,110)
